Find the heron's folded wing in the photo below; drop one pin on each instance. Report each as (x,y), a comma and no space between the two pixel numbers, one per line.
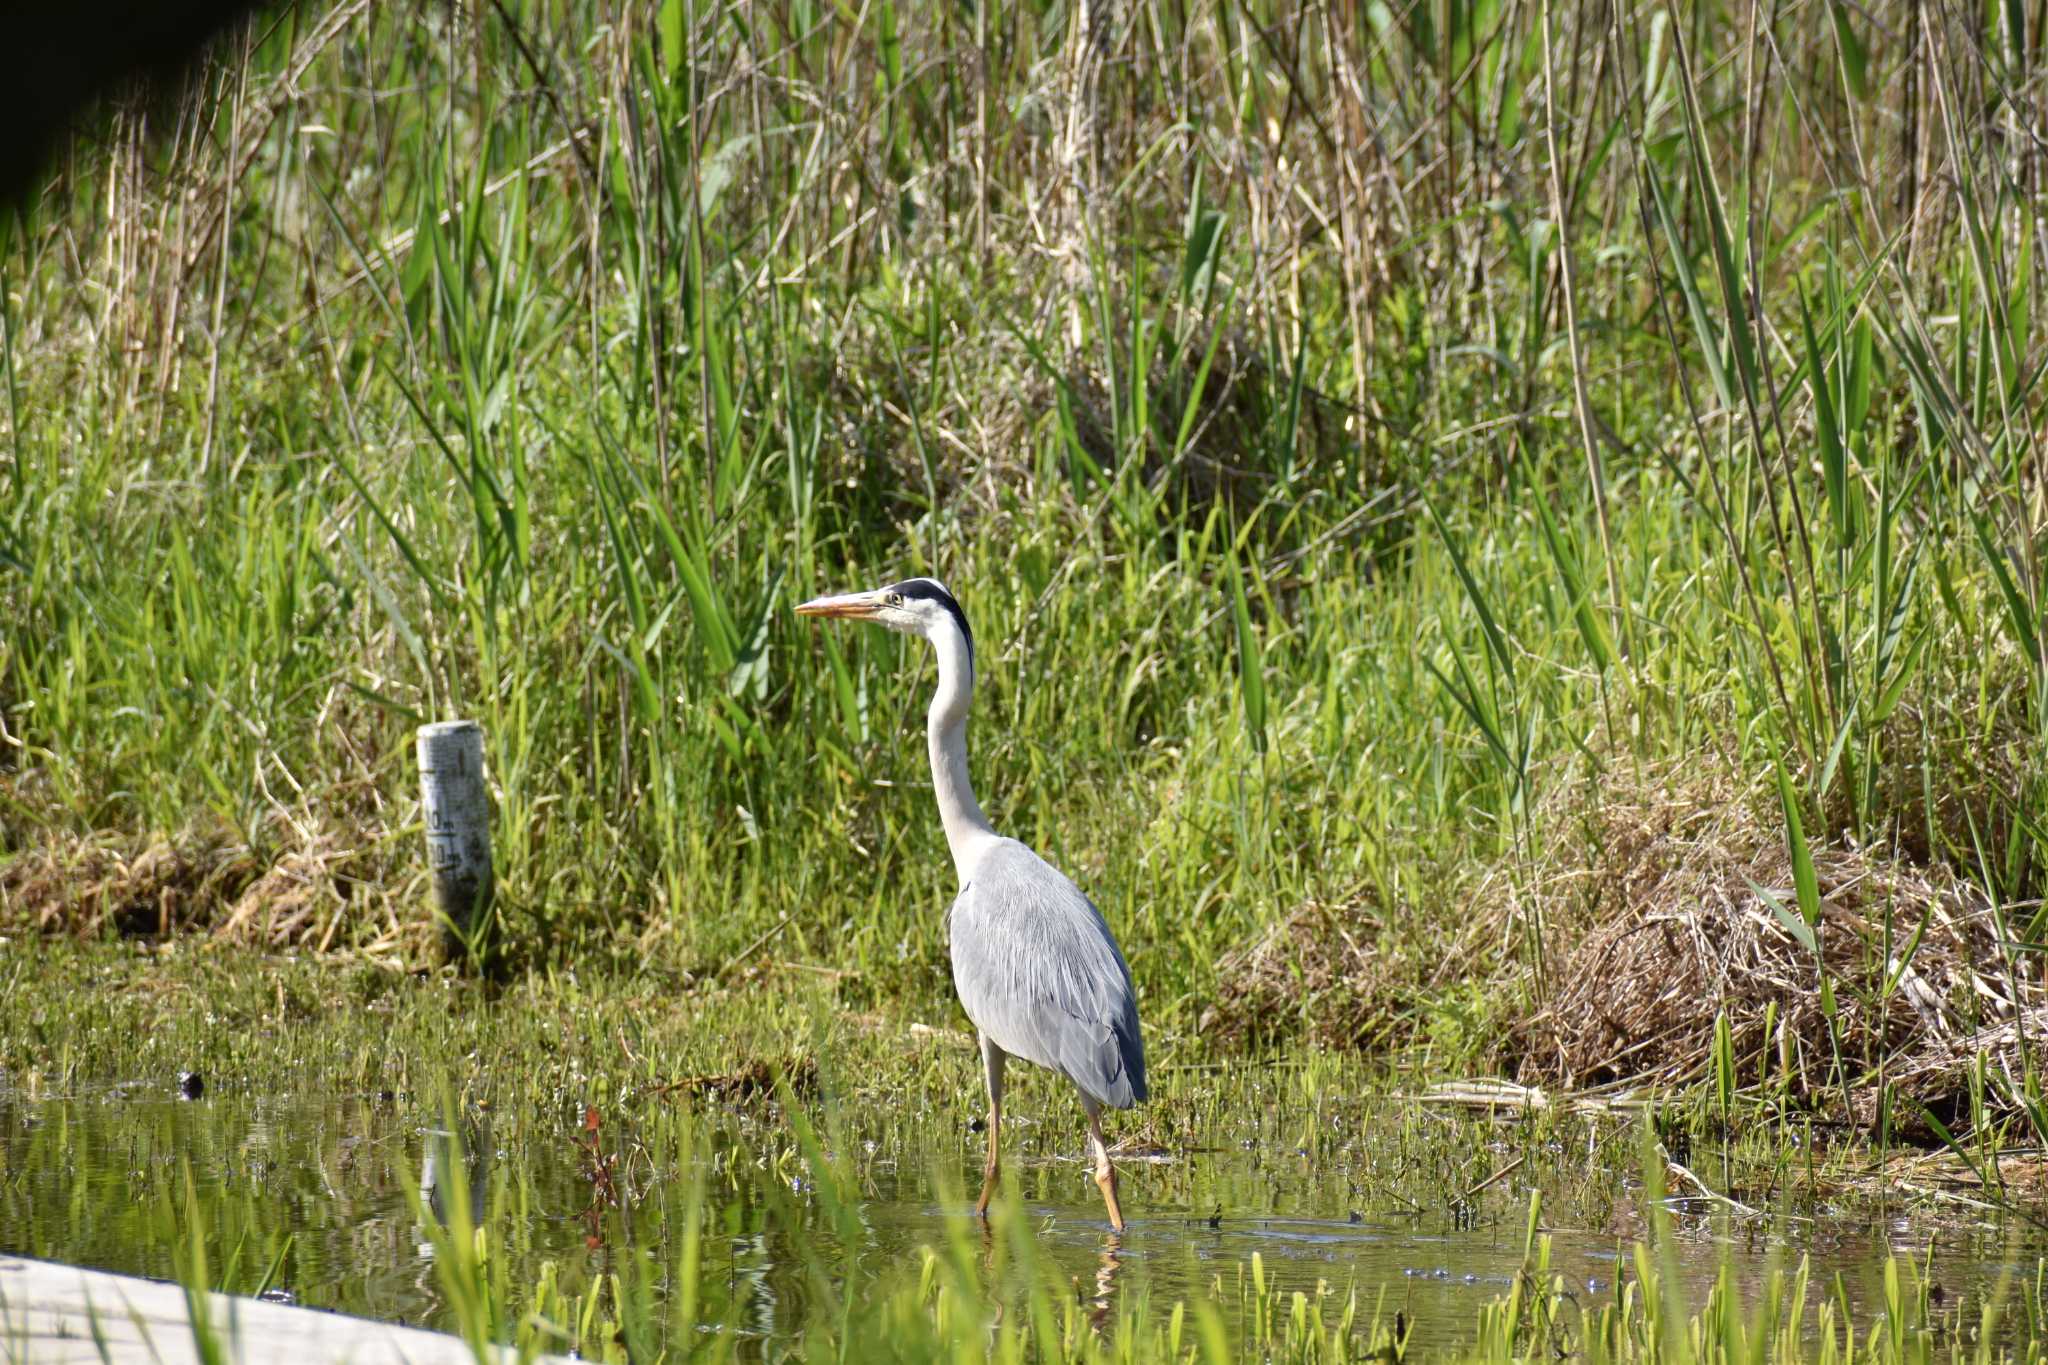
(1039,972)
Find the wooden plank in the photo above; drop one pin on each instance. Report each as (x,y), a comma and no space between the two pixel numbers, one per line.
(49,1314)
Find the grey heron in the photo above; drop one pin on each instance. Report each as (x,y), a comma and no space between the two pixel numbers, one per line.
(1035,965)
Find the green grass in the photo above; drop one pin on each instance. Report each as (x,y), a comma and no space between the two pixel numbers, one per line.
(527,363)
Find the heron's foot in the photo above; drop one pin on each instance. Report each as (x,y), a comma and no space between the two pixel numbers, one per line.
(988,1192)
(1105,1177)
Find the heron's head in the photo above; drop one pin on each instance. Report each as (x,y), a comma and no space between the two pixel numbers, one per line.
(916,606)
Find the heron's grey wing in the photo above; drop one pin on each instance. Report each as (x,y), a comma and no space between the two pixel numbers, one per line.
(1039,972)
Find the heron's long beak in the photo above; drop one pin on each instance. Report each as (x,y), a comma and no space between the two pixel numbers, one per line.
(858,606)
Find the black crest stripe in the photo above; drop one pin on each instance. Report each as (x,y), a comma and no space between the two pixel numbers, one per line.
(925,590)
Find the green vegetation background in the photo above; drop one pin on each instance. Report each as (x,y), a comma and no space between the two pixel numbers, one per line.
(1367,439)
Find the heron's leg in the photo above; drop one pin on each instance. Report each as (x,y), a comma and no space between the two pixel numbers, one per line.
(1105,1173)
(992,1058)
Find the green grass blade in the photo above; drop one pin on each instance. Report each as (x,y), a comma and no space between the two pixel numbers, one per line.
(1251,659)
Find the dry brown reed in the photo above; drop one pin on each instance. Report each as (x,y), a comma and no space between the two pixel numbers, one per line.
(1347,974)
(321,892)
(1683,910)
(1669,902)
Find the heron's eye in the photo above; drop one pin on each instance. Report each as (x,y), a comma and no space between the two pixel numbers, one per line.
(895,599)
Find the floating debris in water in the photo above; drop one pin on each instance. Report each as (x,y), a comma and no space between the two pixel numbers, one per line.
(758,1079)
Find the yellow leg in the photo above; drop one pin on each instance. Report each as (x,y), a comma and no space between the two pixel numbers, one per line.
(988,1172)
(1107,1180)
(1105,1172)
(992,1058)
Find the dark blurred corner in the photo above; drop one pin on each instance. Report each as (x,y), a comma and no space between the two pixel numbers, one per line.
(56,58)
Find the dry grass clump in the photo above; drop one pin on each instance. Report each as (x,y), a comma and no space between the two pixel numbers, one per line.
(1660,909)
(1671,924)
(89,886)
(1324,973)
(984,444)
(312,896)
(304,898)
(1238,413)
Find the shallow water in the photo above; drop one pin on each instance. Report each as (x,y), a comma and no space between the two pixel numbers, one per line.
(1376,1200)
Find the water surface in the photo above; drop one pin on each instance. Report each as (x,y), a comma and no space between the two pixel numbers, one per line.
(1379,1197)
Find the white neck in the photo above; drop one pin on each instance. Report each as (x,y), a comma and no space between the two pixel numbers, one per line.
(967,829)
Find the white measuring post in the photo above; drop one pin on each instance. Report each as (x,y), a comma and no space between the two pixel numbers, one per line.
(458,817)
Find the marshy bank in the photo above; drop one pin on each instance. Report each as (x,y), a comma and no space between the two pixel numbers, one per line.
(1677,955)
